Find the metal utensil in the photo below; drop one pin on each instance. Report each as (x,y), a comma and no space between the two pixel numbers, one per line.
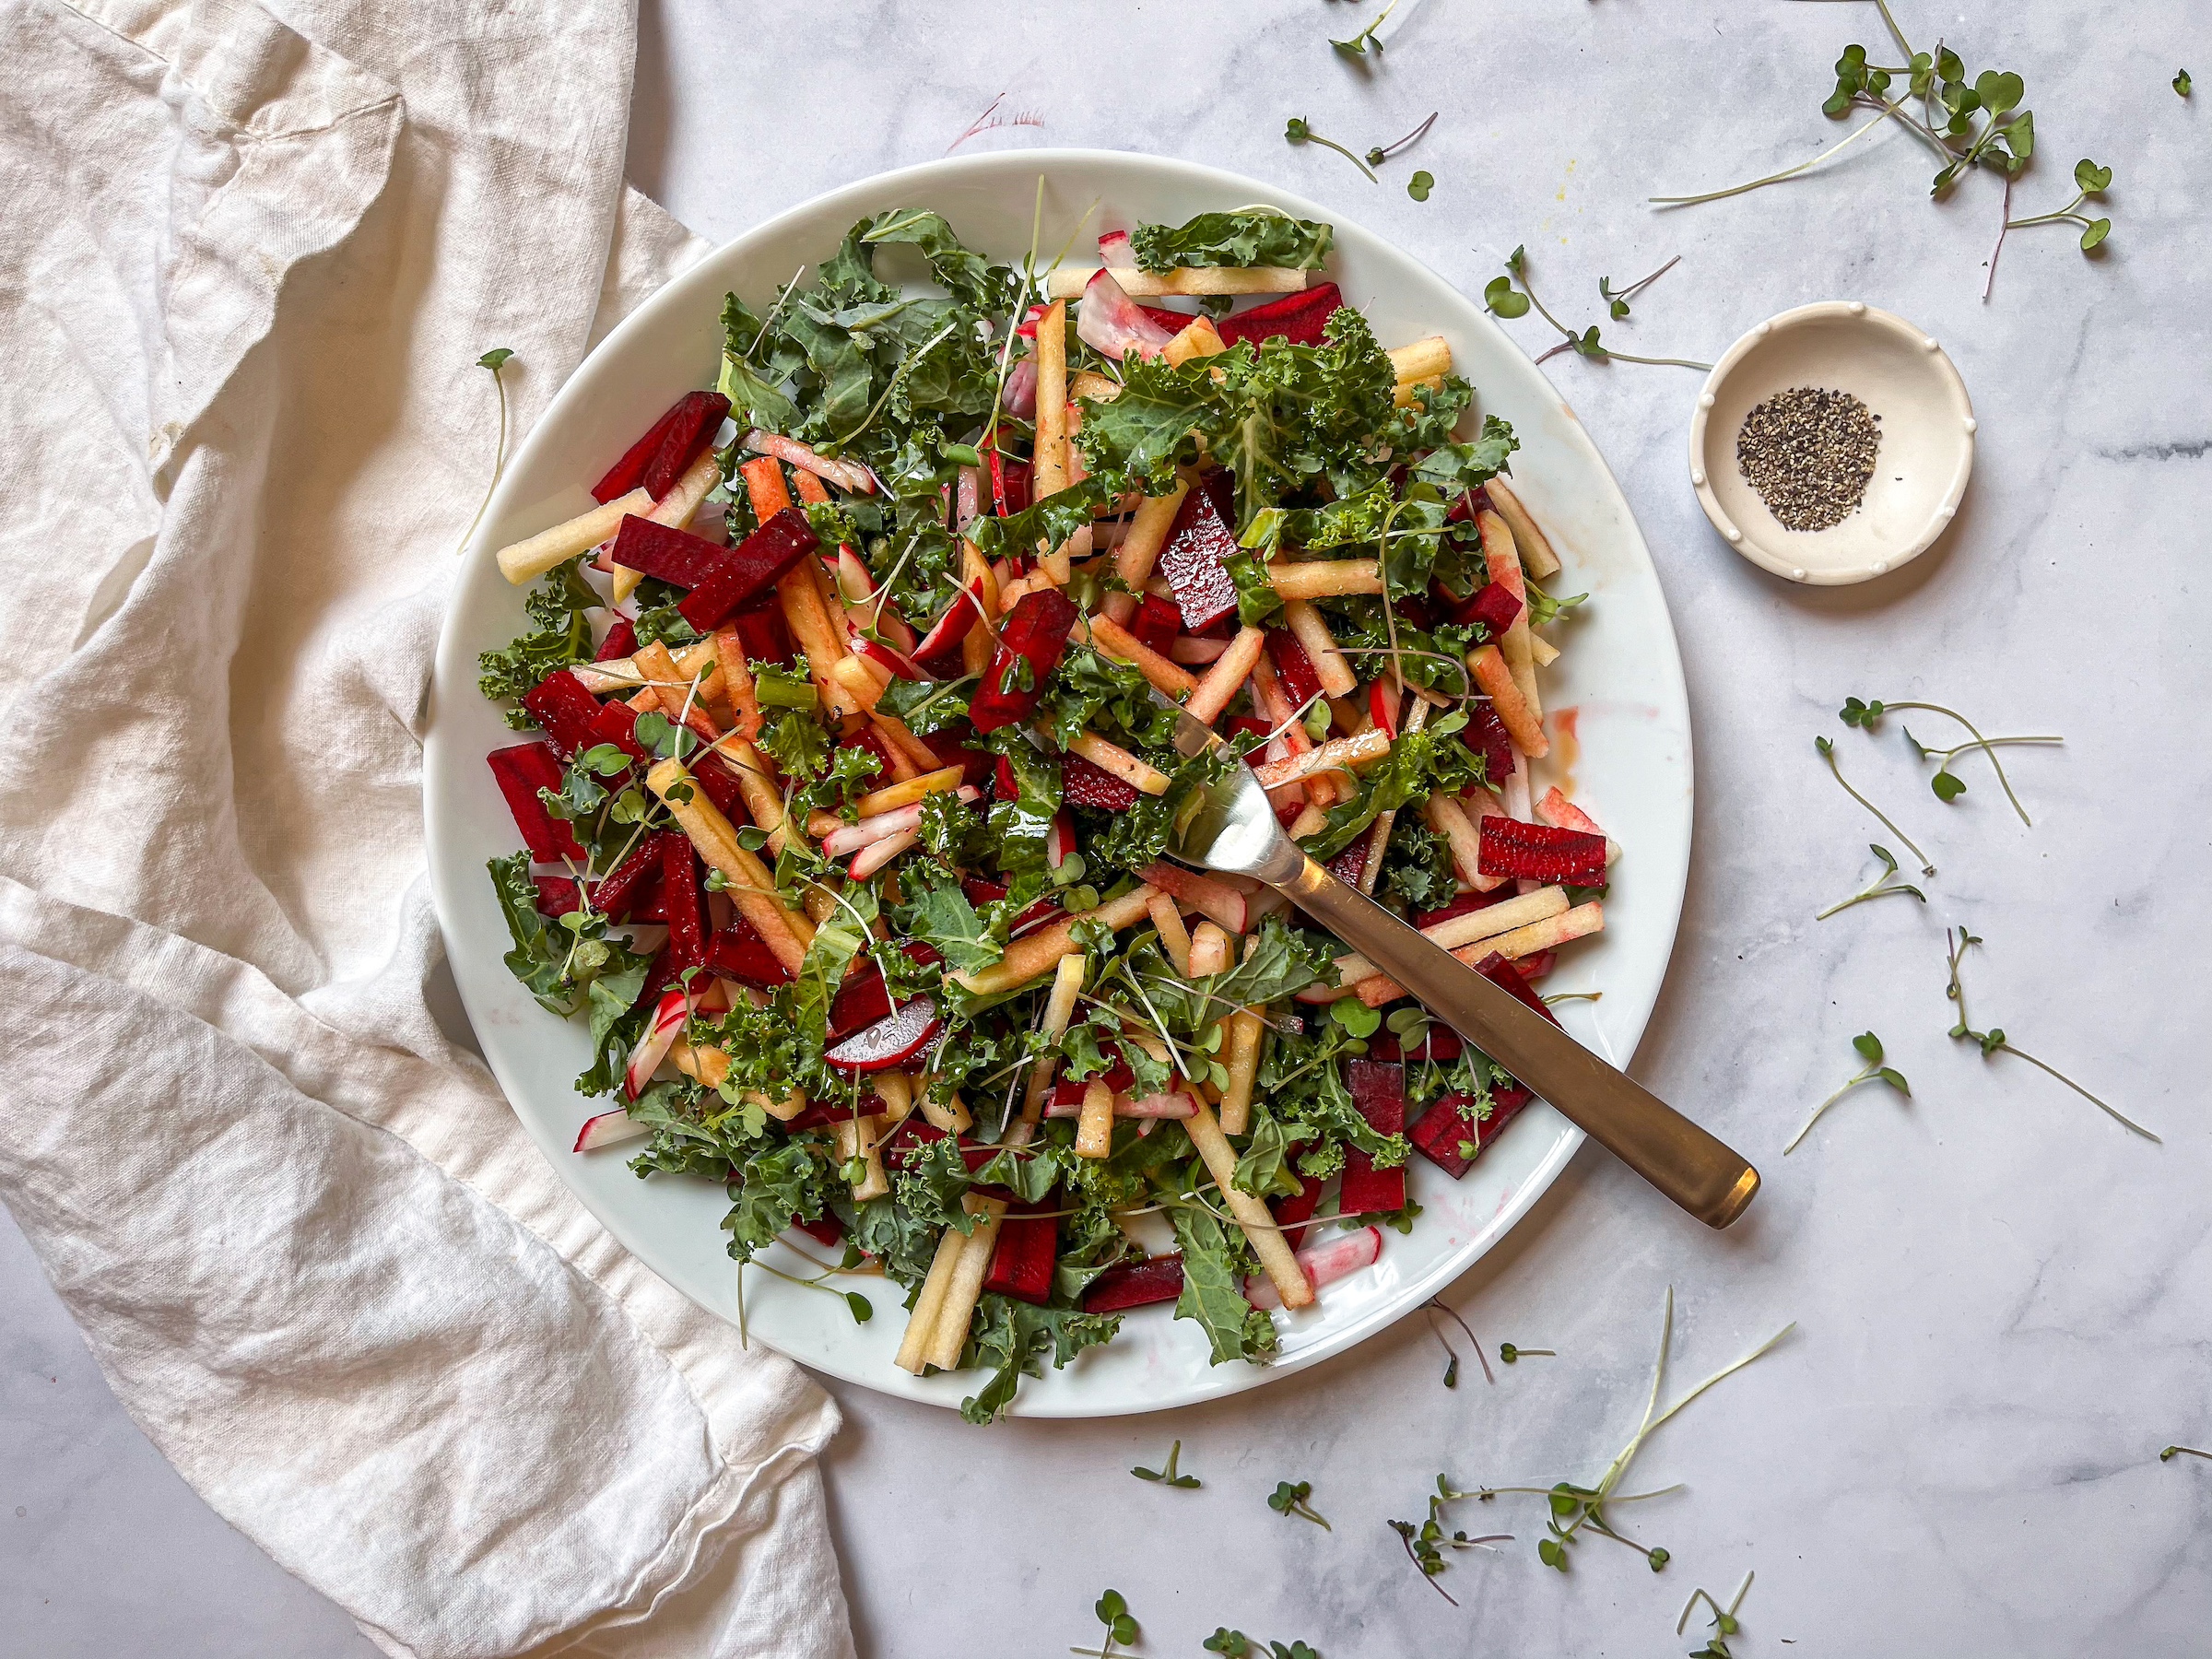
(1232,827)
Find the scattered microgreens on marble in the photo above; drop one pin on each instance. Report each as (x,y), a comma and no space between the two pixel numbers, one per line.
(1617,300)
(495,360)
(1993,1041)
(1966,124)
(1425,1544)
(2089,180)
(2181,83)
(1120,1626)
(1434,1306)
(1576,1508)
(1356,49)
(1167,1476)
(2174,1452)
(1289,1499)
(1883,886)
(1513,1356)
(1869,1048)
(1947,784)
(1507,301)
(1297,132)
(1723,1622)
(1384,152)
(1235,1644)
(1828,753)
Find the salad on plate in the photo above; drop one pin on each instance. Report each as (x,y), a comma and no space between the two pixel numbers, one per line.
(850,777)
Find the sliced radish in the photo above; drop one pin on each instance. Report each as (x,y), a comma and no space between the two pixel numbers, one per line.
(608,1128)
(1059,840)
(896,661)
(1324,1264)
(877,854)
(842,473)
(888,1042)
(1020,399)
(1112,324)
(850,838)
(1027,327)
(1113,249)
(949,630)
(1211,899)
(653,1048)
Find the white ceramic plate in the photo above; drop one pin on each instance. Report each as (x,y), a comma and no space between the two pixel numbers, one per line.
(1619,710)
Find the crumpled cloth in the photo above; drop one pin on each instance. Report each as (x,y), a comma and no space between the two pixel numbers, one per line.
(248,260)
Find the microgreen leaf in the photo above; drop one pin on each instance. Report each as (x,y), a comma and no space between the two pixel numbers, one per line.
(2181,83)
(1504,300)
(1419,185)
(1297,131)
(1948,786)
(1291,1500)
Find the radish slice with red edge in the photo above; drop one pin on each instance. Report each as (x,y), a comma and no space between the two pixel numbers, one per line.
(653,1048)
(888,1042)
(896,662)
(1323,1264)
(1021,398)
(1060,840)
(950,628)
(608,1128)
(1113,324)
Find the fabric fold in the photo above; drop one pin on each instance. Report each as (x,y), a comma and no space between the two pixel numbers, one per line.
(251,257)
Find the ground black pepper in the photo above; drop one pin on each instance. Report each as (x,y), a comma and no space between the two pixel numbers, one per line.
(1809,454)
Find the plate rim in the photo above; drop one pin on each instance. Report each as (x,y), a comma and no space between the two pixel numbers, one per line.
(453,676)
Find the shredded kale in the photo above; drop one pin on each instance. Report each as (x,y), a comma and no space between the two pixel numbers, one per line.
(1252,238)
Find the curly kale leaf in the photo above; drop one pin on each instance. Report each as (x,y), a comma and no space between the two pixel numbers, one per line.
(1012,1337)
(1234,238)
(559,634)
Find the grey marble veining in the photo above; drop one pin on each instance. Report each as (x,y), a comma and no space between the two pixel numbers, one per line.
(2004,1301)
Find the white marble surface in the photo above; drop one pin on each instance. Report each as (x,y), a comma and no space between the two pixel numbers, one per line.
(2005,1301)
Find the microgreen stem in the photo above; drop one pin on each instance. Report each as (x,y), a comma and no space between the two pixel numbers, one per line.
(905,368)
(1879,888)
(1866,1074)
(1360,162)
(495,362)
(1787,172)
(1383,152)
(1986,744)
(2170,1453)
(1435,1306)
(1828,753)
(1993,1041)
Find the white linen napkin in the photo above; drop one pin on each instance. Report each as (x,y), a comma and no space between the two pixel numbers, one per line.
(248,265)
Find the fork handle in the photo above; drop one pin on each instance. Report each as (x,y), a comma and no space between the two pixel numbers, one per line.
(1697,1170)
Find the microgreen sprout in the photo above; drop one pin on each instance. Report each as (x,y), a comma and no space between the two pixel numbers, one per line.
(1425,1544)
(1356,48)
(1420,184)
(1289,1499)
(1828,753)
(1617,300)
(1167,1474)
(1947,784)
(2181,83)
(1966,124)
(1576,1508)
(2090,180)
(1993,1041)
(1434,1306)
(1870,1050)
(1723,1622)
(1298,132)
(1883,886)
(855,1303)
(2170,1453)
(1505,300)
(1384,152)
(1513,1356)
(495,360)
(1120,1626)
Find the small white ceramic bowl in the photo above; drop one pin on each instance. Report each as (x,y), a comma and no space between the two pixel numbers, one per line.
(1926,454)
